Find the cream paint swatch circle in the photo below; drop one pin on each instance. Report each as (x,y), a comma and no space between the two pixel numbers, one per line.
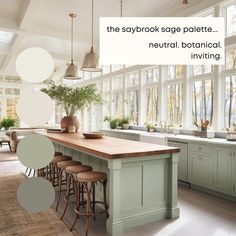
(34,65)
(35,151)
(35,194)
(34,108)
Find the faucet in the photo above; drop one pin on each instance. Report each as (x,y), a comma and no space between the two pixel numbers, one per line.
(163,126)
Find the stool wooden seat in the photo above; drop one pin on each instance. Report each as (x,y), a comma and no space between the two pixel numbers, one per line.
(64,164)
(61,166)
(92,176)
(71,180)
(88,180)
(58,154)
(57,159)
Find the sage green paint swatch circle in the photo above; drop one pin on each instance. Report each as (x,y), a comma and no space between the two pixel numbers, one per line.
(35,194)
(35,151)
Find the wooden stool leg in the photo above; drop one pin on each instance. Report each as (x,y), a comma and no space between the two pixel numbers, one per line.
(94,203)
(77,206)
(69,179)
(88,191)
(59,191)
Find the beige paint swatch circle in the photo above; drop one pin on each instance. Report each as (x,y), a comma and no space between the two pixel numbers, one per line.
(35,108)
(34,65)
(35,151)
(35,194)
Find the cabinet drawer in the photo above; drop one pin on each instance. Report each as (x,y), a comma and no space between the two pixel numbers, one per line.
(200,148)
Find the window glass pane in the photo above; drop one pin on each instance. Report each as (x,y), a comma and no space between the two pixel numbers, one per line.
(175,72)
(117,83)
(11,109)
(201,69)
(117,104)
(12,79)
(151,76)
(230,101)
(12,91)
(1,115)
(106,105)
(132,80)
(174,104)
(231,20)
(1,90)
(133,106)
(152,105)
(87,75)
(116,67)
(58,113)
(202,101)
(106,85)
(96,74)
(106,69)
(230,58)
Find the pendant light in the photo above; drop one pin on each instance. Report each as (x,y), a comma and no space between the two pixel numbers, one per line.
(72,69)
(90,62)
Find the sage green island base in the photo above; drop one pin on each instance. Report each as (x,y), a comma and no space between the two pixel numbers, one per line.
(140,190)
(142,177)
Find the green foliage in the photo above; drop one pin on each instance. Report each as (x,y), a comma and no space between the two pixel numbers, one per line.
(124,120)
(113,121)
(73,99)
(149,126)
(7,122)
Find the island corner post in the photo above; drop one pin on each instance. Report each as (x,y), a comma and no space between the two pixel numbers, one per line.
(142,178)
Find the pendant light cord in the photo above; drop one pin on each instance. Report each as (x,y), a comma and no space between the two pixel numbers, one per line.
(72,33)
(92,23)
(121,8)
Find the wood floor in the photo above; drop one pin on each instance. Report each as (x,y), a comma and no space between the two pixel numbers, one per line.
(201,214)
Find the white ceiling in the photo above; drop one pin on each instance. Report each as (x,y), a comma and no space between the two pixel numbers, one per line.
(45,23)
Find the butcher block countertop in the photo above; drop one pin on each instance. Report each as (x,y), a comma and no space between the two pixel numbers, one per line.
(107,147)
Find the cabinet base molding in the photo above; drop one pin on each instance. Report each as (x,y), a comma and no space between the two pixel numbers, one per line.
(213,193)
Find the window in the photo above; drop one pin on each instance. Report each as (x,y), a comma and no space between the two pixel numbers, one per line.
(203,100)
(230,58)
(12,91)
(230,101)
(117,104)
(116,67)
(201,69)
(175,72)
(106,105)
(151,76)
(151,105)
(58,113)
(174,104)
(132,79)
(11,108)
(231,20)
(133,106)
(117,83)
(106,69)
(6,37)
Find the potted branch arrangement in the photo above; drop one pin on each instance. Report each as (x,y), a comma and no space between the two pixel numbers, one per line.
(112,121)
(72,100)
(150,127)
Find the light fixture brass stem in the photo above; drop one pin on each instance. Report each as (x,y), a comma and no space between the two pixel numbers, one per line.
(121,8)
(92,23)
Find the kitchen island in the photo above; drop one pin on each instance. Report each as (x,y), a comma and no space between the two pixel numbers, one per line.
(142,178)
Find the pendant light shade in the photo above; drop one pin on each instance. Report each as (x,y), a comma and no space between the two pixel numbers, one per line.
(90,62)
(72,69)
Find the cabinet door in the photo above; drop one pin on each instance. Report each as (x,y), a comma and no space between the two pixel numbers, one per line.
(183,160)
(223,169)
(200,169)
(234,173)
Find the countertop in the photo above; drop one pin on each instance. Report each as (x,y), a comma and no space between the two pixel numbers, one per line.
(109,148)
(178,137)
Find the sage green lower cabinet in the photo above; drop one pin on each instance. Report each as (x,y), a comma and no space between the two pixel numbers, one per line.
(122,134)
(234,173)
(201,169)
(183,159)
(223,178)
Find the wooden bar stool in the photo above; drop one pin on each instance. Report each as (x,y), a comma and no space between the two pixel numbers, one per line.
(55,170)
(72,172)
(61,167)
(88,180)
